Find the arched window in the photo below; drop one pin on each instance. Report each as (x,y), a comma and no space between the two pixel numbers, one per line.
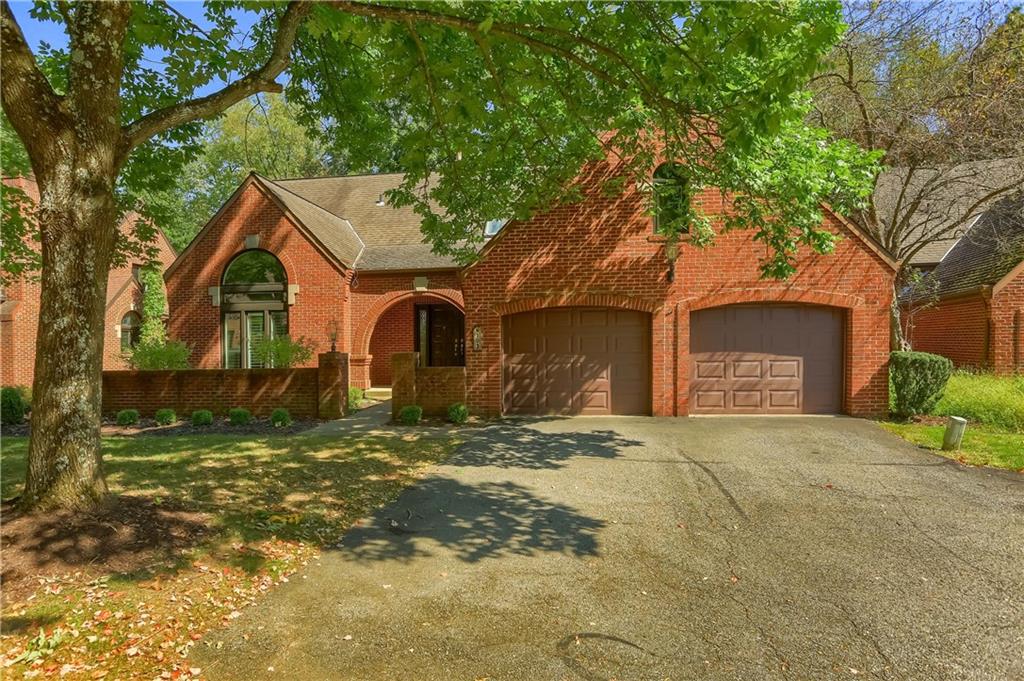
(671,199)
(131,327)
(254,306)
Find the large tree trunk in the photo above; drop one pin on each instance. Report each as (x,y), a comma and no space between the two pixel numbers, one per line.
(78,216)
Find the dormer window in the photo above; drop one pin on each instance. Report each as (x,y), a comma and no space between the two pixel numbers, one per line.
(671,200)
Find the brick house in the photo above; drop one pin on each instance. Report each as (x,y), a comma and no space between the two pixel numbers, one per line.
(978,321)
(19,309)
(576,310)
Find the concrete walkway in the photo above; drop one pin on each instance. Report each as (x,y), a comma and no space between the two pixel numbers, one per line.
(614,548)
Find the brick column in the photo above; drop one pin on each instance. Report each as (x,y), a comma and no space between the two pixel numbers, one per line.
(332,384)
(403,381)
(360,370)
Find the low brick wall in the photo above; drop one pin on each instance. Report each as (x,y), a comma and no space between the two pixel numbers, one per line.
(320,392)
(433,388)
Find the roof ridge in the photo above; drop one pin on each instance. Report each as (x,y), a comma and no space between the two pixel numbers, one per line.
(337,177)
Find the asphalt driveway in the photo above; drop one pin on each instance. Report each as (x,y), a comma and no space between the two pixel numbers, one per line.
(639,548)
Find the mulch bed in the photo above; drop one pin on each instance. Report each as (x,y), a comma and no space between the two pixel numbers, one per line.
(126,534)
(149,427)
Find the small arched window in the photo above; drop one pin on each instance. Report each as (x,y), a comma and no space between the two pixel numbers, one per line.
(131,327)
(671,198)
(254,306)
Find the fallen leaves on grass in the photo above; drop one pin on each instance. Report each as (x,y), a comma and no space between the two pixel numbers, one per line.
(139,630)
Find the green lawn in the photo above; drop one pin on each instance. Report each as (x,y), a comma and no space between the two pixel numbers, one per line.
(982,445)
(996,401)
(270,504)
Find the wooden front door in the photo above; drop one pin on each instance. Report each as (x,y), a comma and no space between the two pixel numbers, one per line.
(440,335)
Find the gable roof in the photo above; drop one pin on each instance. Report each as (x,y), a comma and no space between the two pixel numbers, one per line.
(392,235)
(946,196)
(990,250)
(335,233)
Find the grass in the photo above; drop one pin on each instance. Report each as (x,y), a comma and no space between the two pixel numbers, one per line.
(271,503)
(982,445)
(984,398)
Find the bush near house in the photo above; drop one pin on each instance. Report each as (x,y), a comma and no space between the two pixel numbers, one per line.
(165,417)
(458,413)
(12,405)
(156,355)
(202,417)
(127,417)
(355,397)
(282,352)
(410,415)
(239,416)
(916,381)
(280,418)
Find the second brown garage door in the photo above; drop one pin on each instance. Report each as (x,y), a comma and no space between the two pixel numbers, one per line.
(577,360)
(766,359)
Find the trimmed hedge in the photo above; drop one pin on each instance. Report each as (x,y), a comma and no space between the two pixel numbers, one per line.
(12,405)
(202,417)
(127,417)
(239,416)
(410,415)
(280,418)
(458,413)
(165,417)
(916,381)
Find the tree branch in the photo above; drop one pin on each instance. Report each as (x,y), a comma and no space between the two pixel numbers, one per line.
(28,100)
(260,80)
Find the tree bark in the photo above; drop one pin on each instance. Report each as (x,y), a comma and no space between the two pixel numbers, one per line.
(64,463)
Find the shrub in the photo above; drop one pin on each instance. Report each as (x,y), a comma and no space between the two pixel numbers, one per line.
(12,405)
(916,381)
(202,417)
(355,396)
(282,352)
(239,416)
(458,413)
(410,415)
(985,398)
(280,418)
(153,356)
(127,417)
(165,417)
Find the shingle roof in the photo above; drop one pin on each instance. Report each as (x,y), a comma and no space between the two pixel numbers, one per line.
(392,235)
(334,232)
(992,247)
(947,195)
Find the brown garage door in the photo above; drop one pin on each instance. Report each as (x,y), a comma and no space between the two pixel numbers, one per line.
(766,359)
(577,360)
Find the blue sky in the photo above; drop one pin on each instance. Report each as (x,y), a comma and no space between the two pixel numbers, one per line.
(53,33)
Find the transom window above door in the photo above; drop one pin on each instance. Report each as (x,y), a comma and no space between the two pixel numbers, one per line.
(254,306)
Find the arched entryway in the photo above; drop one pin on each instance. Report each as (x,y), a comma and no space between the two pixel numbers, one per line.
(430,325)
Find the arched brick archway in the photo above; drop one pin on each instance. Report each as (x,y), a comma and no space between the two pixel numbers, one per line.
(576,300)
(364,330)
(780,294)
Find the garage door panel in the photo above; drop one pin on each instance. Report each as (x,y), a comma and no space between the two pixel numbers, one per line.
(766,359)
(586,361)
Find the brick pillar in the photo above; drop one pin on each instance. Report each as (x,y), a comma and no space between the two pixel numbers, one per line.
(403,381)
(332,384)
(360,370)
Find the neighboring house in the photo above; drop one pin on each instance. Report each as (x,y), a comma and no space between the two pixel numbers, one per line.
(978,320)
(574,311)
(19,310)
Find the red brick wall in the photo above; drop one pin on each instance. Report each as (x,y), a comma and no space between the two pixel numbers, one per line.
(432,388)
(1008,326)
(393,333)
(258,390)
(957,328)
(18,333)
(323,290)
(601,252)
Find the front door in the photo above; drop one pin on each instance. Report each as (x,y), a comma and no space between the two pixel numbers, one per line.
(440,336)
